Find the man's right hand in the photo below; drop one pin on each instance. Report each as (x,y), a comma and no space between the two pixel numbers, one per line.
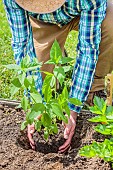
(30,131)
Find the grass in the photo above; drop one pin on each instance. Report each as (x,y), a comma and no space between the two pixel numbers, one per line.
(6,54)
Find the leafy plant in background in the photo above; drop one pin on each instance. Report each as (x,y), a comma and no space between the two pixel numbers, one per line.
(52,105)
(104,117)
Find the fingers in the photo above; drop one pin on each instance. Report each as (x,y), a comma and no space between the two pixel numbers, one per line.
(30,137)
(69,128)
(66,145)
(67,132)
(64,149)
(31,130)
(32,146)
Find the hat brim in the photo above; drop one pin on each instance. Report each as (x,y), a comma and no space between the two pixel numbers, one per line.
(40,6)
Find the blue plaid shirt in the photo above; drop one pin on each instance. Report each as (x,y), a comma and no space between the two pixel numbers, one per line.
(92,13)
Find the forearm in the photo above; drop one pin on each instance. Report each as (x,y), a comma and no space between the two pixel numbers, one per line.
(20,29)
(22,40)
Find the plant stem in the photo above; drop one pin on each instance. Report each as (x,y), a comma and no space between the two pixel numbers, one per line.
(55,86)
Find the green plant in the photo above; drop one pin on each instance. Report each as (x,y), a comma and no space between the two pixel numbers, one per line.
(6,55)
(105,119)
(102,150)
(52,105)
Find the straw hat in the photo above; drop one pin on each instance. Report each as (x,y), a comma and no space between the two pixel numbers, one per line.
(40,6)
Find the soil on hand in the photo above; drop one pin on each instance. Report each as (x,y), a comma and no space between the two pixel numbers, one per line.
(16,154)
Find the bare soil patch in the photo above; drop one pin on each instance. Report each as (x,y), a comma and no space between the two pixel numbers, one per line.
(16,154)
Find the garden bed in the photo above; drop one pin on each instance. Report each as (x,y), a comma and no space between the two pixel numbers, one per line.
(16,154)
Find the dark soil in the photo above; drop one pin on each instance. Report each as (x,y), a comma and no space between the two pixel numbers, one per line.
(16,154)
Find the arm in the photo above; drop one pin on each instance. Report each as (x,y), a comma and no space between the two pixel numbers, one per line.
(22,40)
(87,53)
(84,69)
(22,43)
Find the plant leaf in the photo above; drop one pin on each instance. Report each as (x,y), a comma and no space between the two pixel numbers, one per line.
(48,94)
(95,110)
(16,82)
(30,67)
(25,62)
(46,83)
(50,74)
(87,151)
(109,116)
(109,109)
(58,112)
(26,83)
(38,125)
(53,81)
(23,125)
(55,52)
(65,60)
(46,120)
(67,110)
(22,77)
(36,110)
(74,101)
(46,89)
(14,90)
(36,97)
(65,93)
(38,107)
(99,102)
(24,103)
(51,61)
(98,119)
(54,128)
(103,129)
(67,68)
(59,74)
(13,66)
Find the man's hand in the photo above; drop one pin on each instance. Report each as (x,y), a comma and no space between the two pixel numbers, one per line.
(30,131)
(69,131)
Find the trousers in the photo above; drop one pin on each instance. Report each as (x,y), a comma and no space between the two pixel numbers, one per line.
(44,35)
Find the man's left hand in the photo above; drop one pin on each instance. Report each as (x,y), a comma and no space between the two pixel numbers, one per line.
(69,131)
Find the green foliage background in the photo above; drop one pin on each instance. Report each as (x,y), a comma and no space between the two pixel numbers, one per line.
(6,54)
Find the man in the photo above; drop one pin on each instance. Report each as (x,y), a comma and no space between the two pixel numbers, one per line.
(54,19)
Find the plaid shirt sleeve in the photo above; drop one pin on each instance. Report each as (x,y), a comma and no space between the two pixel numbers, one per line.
(87,53)
(22,39)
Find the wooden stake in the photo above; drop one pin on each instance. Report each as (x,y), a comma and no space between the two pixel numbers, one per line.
(109,88)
